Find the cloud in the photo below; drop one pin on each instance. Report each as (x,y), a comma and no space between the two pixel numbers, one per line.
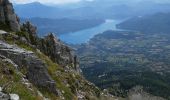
(74,1)
(45,1)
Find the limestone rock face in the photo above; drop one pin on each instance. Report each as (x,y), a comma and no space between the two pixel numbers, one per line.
(32,30)
(28,27)
(8,16)
(58,52)
(36,69)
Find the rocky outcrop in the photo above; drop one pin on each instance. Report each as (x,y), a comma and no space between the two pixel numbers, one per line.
(28,27)
(35,69)
(58,52)
(8,16)
(32,32)
(5,96)
(52,47)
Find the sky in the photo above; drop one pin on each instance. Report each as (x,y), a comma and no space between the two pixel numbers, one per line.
(74,1)
(45,1)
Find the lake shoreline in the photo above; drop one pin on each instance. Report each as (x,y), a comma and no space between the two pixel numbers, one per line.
(84,36)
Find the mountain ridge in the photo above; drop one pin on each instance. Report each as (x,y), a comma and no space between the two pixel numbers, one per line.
(154,23)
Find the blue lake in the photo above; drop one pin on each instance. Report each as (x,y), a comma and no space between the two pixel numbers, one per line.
(84,36)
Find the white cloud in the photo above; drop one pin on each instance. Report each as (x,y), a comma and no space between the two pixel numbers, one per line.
(45,1)
(74,1)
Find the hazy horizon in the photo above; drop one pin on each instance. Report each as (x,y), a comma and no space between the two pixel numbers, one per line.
(58,2)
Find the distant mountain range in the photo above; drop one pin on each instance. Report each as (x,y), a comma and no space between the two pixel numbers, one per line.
(94,10)
(157,23)
(35,9)
(71,12)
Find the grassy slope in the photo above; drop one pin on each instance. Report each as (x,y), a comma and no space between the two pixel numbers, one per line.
(68,92)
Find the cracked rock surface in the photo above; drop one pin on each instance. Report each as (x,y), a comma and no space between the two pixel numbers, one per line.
(36,69)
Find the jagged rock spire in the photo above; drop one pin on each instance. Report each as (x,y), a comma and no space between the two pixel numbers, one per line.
(8,16)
